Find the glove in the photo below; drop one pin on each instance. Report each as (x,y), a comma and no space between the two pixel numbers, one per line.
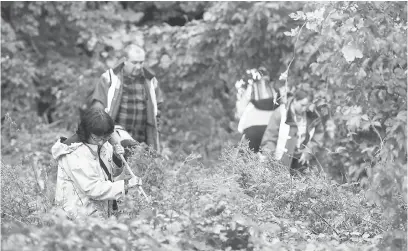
(134,181)
(262,158)
(304,158)
(118,149)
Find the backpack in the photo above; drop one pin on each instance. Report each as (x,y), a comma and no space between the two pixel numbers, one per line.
(264,96)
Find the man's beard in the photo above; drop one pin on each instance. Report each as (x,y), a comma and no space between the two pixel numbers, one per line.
(136,72)
(132,72)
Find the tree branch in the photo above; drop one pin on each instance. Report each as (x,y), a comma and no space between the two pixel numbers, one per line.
(293,58)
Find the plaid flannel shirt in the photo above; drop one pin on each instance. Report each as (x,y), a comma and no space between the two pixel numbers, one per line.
(132,113)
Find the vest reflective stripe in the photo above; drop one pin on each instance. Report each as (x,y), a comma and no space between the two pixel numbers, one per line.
(114,87)
(311,133)
(283,134)
(152,86)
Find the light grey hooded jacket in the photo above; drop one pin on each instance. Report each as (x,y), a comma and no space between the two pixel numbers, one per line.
(83,187)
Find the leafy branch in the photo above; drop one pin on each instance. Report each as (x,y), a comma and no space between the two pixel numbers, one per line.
(284,75)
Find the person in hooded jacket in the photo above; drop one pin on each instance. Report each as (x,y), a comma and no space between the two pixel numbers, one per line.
(90,174)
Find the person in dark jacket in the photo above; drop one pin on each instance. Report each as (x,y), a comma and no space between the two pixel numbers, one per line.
(129,92)
(291,131)
(263,99)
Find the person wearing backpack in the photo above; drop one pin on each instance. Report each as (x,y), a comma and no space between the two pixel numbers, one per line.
(263,100)
(130,94)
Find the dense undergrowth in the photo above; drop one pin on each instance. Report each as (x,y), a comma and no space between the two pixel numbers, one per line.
(237,203)
(350,55)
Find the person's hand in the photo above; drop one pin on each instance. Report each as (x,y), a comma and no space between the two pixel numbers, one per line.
(134,181)
(118,149)
(304,158)
(262,158)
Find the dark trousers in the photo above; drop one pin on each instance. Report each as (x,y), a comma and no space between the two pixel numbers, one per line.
(296,168)
(254,134)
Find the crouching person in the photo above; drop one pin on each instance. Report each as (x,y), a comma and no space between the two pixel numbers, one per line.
(293,133)
(90,176)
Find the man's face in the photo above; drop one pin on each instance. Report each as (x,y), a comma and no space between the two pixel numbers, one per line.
(134,63)
(301,106)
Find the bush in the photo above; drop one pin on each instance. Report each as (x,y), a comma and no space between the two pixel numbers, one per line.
(213,208)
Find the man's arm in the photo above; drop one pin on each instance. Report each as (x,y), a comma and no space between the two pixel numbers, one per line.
(99,96)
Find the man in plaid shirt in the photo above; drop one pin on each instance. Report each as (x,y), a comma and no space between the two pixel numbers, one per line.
(132,110)
(130,94)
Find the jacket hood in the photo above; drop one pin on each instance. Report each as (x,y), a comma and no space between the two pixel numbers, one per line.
(65,146)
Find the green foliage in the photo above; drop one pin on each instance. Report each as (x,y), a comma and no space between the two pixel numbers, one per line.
(358,54)
(204,209)
(28,171)
(359,76)
(350,55)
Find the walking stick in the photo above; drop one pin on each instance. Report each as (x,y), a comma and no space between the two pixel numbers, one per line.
(115,139)
(133,175)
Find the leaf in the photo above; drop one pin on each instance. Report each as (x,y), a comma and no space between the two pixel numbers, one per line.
(365,126)
(292,33)
(115,43)
(376,123)
(360,23)
(349,25)
(293,230)
(364,117)
(353,123)
(131,16)
(369,150)
(355,234)
(240,219)
(146,213)
(350,53)
(284,75)
(165,61)
(238,17)
(340,149)
(174,227)
(373,197)
(217,228)
(208,17)
(402,115)
(361,74)
(316,15)
(298,15)
(121,227)
(355,109)
(312,26)
(271,227)
(324,56)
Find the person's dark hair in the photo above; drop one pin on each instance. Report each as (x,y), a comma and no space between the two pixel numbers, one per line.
(300,94)
(95,121)
(263,71)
